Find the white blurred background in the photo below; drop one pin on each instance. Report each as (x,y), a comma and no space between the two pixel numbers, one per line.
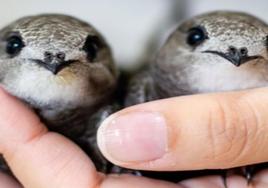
(134,28)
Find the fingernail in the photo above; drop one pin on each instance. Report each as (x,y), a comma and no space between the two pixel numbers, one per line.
(134,137)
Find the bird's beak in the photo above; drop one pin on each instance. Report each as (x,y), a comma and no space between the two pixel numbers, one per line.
(234,56)
(56,67)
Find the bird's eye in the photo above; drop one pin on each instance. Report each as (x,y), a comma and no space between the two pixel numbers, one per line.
(266,41)
(92,45)
(14,45)
(196,36)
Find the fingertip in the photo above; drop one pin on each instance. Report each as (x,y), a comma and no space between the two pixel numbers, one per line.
(101,137)
(136,136)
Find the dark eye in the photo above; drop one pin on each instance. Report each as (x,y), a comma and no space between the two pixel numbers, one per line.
(92,45)
(266,41)
(196,36)
(14,45)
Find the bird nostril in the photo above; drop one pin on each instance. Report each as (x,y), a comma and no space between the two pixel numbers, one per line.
(244,51)
(60,56)
(232,49)
(48,56)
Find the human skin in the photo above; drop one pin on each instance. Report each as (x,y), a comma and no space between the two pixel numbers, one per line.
(44,159)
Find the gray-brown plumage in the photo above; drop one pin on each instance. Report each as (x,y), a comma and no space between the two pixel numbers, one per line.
(63,68)
(214,52)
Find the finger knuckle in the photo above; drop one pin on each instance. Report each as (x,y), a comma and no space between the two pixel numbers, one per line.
(227,132)
(250,128)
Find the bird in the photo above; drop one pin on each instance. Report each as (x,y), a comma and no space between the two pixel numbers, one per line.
(213,52)
(63,69)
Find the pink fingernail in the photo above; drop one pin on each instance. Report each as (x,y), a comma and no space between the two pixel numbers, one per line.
(134,137)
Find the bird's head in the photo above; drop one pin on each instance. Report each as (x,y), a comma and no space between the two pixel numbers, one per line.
(55,61)
(218,51)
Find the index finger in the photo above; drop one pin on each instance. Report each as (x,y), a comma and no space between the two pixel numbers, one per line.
(39,158)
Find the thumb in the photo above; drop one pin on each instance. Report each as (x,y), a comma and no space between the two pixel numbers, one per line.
(186,133)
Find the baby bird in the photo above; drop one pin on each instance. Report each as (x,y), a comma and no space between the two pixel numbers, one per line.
(62,68)
(214,52)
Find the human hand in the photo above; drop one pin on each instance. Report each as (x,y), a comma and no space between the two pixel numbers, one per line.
(42,159)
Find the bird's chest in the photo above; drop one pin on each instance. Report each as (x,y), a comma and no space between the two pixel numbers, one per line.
(69,122)
(226,77)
